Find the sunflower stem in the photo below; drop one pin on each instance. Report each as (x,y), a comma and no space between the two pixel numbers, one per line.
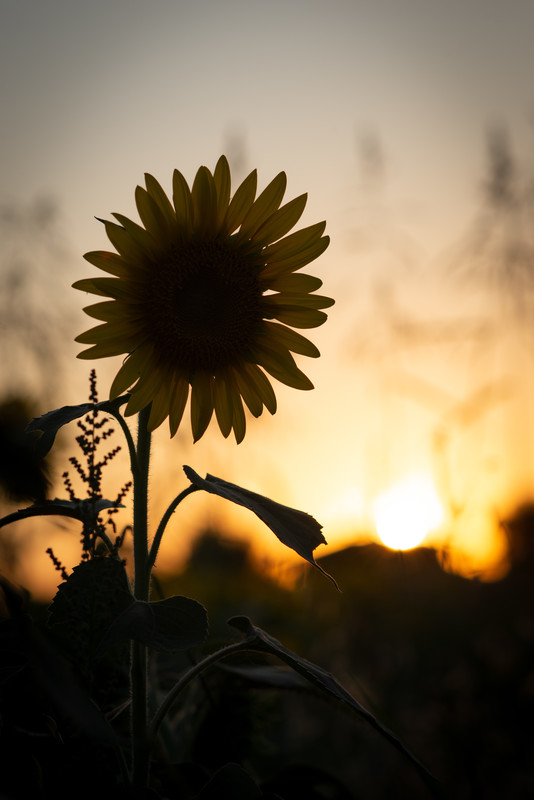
(138,675)
(196,669)
(163,524)
(134,468)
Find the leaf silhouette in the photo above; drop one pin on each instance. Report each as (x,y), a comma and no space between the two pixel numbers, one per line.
(176,623)
(52,421)
(296,529)
(258,639)
(75,509)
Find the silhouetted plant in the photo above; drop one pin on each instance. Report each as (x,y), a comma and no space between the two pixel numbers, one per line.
(173,312)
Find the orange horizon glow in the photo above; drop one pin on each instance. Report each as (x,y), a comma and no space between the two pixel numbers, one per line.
(405,515)
(407,512)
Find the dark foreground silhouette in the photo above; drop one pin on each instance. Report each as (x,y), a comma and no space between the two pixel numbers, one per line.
(447,664)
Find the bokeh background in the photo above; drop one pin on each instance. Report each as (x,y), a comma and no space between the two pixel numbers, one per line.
(410,125)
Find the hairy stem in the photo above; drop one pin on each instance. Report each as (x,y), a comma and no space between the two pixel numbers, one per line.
(219,655)
(129,441)
(163,524)
(138,675)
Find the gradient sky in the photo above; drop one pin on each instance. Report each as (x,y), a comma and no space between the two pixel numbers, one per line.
(379,110)
(95,94)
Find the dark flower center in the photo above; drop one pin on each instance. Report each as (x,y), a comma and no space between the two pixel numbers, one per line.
(202,305)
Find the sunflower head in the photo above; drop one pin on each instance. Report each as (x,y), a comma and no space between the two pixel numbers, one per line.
(205,295)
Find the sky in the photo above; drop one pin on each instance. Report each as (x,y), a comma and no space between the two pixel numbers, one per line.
(380,111)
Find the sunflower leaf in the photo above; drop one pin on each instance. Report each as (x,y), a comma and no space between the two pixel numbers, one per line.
(176,623)
(321,679)
(296,529)
(75,509)
(325,682)
(52,421)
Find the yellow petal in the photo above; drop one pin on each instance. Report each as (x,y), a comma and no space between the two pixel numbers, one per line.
(108,332)
(204,195)
(300,317)
(295,242)
(152,216)
(88,285)
(241,202)
(181,197)
(278,265)
(278,361)
(223,404)
(129,372)
(201,403)
(279,223)
(239,422)
(159,196)
(140,236)
(231,413)
(109,287)
(290,339)
(143,392)
(122,240)
(103,350)
(221,177)
(108,311)
(294,300)
(247,389)
(109,262)
(180,393)
(296,282)
(159,410)
(257,379)
(266,204)
(283,369)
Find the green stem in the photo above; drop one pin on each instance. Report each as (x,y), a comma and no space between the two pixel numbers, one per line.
(219,655)
(140,510)
(163,524)
(138,675)
(134,466)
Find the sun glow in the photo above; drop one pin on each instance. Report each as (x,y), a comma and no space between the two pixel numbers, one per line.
(407,512)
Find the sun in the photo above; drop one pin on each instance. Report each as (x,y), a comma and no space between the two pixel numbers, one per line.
(407,512)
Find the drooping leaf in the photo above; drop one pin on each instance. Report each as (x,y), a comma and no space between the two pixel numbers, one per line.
(52,421)
(296,529)
(319,677)
(176,623)
(75,509)
(259,640)
(268,676)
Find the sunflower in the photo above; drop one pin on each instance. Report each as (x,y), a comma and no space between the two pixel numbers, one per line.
(206,295)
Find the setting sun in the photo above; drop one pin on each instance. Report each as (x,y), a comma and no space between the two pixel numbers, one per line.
(407,512)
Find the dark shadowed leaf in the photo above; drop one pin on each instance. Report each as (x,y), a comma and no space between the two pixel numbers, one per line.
(259,640)
(87,602)
(75,509)
(51,422)
(296,529)
(176,623)
(319,677)
(85,605)
(268,676)
(58,684)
